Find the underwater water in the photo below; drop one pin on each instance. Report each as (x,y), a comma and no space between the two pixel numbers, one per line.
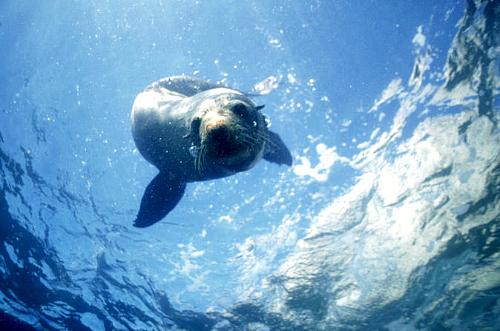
(388,219)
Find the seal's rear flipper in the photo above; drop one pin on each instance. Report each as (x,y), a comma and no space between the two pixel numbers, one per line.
(160,197)
(276,151)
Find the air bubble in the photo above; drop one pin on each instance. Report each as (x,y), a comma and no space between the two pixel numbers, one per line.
(193,150)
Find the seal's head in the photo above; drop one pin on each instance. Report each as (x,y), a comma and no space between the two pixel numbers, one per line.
(232,133)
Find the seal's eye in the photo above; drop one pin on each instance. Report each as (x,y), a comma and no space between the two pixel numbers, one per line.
(240,110)
(195,126)
(195,130)
(246,114)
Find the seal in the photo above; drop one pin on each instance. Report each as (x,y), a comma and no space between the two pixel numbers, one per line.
(195,130)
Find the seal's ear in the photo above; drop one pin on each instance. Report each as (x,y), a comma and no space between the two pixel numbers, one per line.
(276,151)
(160,197)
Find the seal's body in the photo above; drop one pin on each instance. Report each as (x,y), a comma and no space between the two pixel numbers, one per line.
(194,130)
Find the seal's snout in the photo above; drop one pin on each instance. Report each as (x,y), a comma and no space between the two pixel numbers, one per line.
(222,141)
(217,130)
(219,134)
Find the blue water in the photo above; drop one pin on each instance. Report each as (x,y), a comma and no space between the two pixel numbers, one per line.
(388,220)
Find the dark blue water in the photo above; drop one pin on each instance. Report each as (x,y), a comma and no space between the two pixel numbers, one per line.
(388,220)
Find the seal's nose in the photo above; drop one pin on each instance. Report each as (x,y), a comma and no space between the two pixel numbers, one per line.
(221,142)
(218,133)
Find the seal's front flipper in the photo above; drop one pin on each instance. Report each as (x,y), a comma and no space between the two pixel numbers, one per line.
(160,197)
(276,151)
